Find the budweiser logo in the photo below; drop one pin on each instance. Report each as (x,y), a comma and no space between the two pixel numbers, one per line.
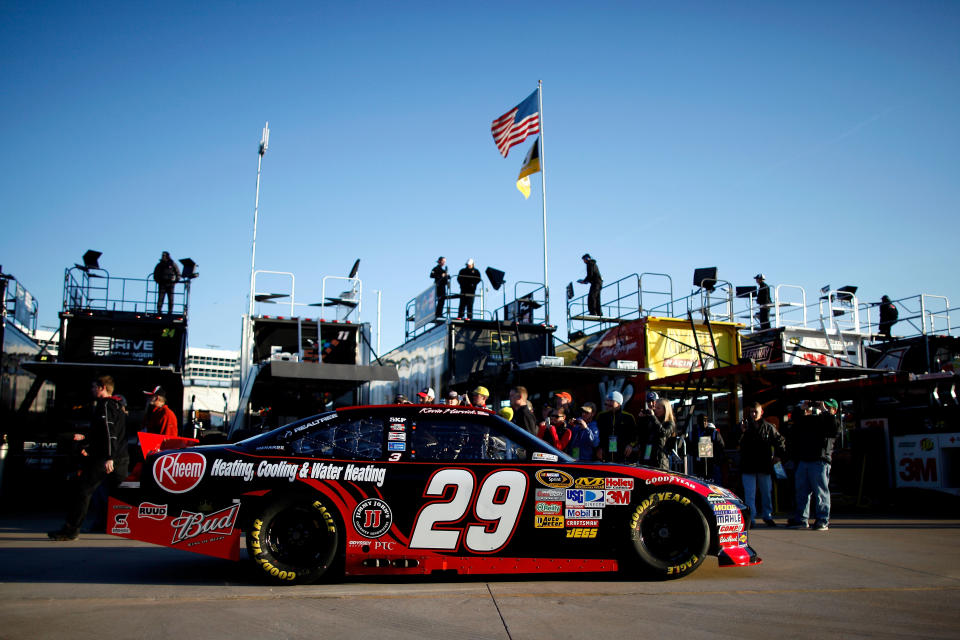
(179,472)
(190,525)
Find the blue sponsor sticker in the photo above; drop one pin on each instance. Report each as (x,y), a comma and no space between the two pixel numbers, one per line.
(396,446)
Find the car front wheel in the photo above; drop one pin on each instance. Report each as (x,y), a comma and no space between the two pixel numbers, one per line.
(669,534)
(294,541)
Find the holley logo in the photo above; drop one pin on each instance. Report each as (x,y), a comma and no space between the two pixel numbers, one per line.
(179,472)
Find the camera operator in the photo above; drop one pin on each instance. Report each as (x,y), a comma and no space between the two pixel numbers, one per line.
(812,441)
(557,432)
(760,446)
(586,435)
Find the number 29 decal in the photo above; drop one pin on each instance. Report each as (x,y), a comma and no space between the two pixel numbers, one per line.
(496,506)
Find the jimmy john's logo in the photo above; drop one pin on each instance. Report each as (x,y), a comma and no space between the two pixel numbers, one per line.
(589,483)
(372,518)
(554,479)
(179,472)
(150,511)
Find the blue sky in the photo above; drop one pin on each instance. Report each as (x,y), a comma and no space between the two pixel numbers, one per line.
(817,142)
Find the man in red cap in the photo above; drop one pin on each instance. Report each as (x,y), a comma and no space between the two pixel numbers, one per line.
(159,418)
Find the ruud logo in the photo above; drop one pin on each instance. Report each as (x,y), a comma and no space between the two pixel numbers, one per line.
(179,472)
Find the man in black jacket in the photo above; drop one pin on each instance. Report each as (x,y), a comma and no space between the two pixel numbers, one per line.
(763,301)
(759,445)
(522,415)
(811,443)
(165,274)
(888,317)
(440,280)
(595,281)
(105,456)
(468,278)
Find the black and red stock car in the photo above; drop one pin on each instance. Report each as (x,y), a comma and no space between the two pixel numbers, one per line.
(418,489)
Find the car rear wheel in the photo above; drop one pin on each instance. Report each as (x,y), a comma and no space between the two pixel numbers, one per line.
(294,541)
(670,535)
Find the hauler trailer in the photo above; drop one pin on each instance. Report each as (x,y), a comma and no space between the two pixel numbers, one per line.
(108,326)
(294,365)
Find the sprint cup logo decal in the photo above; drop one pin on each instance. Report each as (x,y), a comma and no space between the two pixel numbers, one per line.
(190,525)
(179,472)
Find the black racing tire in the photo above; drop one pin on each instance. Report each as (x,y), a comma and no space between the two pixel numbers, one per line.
(669,535)
(294,540)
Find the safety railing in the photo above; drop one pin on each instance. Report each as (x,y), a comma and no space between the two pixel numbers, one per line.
(920,314)
(88,289)
(620,301)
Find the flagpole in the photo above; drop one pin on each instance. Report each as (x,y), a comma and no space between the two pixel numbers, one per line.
(543,189)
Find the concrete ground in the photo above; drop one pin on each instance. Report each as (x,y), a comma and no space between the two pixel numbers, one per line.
(865,577)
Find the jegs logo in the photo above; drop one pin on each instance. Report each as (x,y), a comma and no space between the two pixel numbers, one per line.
(179,472)
(190,525)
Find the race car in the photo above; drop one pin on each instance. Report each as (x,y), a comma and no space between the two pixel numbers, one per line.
(425,489)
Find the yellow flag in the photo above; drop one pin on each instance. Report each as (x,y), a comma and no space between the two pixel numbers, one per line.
(524,185)
(531,165)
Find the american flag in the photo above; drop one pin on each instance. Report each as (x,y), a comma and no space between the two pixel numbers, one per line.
(515,125)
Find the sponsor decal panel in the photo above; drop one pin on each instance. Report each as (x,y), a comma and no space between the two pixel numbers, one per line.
(595,514)
(582,522)
(554,479)
(582,532)
(548,522)
(730,528)
(120,524)
(549,508)
(179,472)
(396,446)
(539,456)
(617,497)
(189,525)
(550,494)
(619,483)
(729,518)
(150,511)
(372,518)
(683,482)
(591,483)
(586,498)
(397,435)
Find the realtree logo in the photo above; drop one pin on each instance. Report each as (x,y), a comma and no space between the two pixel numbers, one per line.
(179,472)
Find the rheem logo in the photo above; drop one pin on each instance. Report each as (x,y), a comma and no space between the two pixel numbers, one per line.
(179,472)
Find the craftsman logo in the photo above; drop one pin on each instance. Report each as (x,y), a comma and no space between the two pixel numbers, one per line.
(179,472)
(554,479)
(579,522)
(190,525)
(149,511)
(372,518)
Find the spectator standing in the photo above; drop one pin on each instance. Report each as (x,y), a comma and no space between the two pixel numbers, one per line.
(586,435)
(106,456)
(478,398)
(159,417)
(453,398)
(426,396)
(595,280)
(166,274)
(440,279)
(654,430)
(888,317)
(468,278)
(522,415)
(812,440)
(763,301)
(760,446)
(615,428)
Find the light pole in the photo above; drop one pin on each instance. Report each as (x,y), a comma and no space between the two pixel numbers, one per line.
(247,342)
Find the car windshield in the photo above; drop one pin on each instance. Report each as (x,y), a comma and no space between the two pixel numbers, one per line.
(286,432)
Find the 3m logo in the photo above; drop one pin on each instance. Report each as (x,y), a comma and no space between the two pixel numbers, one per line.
(918,469)
(618,497)
(179,472)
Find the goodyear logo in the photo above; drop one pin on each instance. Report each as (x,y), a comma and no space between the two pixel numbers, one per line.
(589,483)
(554,479)
(548,522)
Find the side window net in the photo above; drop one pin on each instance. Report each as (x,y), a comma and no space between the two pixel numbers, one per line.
(448,441)
(356,439)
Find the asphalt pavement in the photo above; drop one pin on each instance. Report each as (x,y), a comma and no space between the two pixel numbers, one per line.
(864,578)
